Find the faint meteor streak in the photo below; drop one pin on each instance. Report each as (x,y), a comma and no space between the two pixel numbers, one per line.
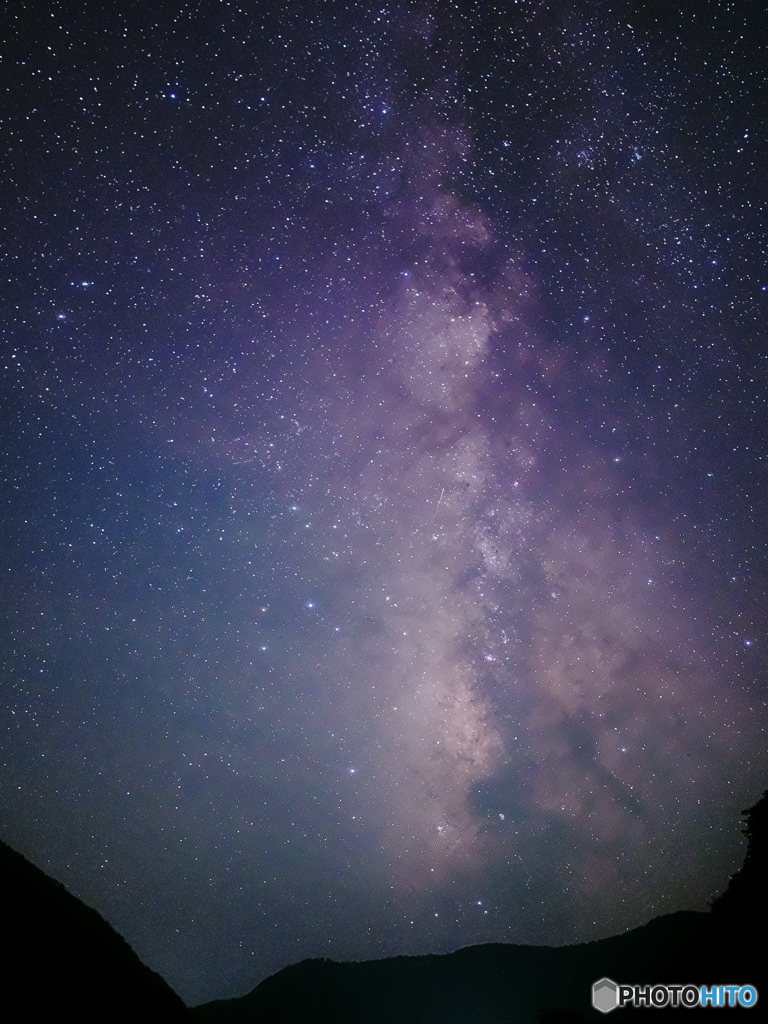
(437,506)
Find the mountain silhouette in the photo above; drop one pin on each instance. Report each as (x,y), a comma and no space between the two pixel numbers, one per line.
(61,960)
(506,984)
(733,942)
(731,946)
(487,984)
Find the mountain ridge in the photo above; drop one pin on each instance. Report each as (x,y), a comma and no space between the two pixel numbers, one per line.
(60,954)
(493,980)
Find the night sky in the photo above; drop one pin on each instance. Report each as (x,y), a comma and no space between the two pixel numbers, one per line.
(382,469)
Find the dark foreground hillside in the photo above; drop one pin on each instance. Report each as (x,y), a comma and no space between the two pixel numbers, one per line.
(502,984)
(479,985)
(732,947)
(62,961)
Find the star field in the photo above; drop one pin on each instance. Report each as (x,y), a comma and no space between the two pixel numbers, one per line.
(382,474)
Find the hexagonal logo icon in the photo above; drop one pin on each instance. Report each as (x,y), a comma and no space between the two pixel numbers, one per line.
(605,995)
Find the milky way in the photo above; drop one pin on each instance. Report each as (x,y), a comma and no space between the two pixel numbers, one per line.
(526,655)
(383,475)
